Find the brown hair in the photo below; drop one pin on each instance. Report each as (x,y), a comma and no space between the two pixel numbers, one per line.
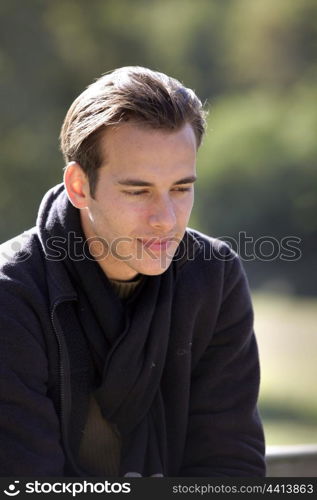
(148,97)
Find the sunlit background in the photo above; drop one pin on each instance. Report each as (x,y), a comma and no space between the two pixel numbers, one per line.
(254,63)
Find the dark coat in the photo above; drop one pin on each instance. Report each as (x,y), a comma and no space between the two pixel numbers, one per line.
(210,381)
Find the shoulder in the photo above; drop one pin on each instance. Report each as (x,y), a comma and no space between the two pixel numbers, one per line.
(24,293)
(212,265)
(21,259)
(210,253)
(207,245)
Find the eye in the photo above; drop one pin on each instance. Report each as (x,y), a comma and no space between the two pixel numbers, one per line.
(135,193)
(183,189)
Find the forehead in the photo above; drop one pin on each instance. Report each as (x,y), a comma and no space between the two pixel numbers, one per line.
(133,146)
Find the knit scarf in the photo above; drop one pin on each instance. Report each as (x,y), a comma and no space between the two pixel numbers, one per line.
(128,344)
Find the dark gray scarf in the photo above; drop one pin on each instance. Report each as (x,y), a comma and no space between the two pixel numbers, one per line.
(128,344)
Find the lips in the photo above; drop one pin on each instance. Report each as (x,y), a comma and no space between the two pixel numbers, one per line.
(157,244)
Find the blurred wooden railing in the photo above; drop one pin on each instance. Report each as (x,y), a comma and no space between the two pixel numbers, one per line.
(292,461)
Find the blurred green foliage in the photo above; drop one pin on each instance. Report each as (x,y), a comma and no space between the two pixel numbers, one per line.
(258,176)
(253,62)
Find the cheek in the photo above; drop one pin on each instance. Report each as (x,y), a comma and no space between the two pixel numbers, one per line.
(136,211)
(185,207)
(126,219)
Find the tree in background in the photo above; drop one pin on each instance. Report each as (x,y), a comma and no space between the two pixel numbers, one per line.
(254,63)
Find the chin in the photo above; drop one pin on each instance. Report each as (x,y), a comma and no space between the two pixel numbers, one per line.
(153,268)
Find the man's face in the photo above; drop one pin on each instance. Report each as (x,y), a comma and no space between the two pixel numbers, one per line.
(143,199)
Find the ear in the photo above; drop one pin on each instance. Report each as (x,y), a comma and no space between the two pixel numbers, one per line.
(77,185)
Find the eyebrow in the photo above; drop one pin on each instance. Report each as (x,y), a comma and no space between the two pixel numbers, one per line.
(139,182)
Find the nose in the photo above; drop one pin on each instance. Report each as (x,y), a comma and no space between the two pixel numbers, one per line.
(163,217)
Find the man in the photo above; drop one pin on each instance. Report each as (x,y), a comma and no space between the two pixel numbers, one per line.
(127,341)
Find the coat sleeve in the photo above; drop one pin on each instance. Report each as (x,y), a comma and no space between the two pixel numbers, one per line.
(29,426)
(225,436)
